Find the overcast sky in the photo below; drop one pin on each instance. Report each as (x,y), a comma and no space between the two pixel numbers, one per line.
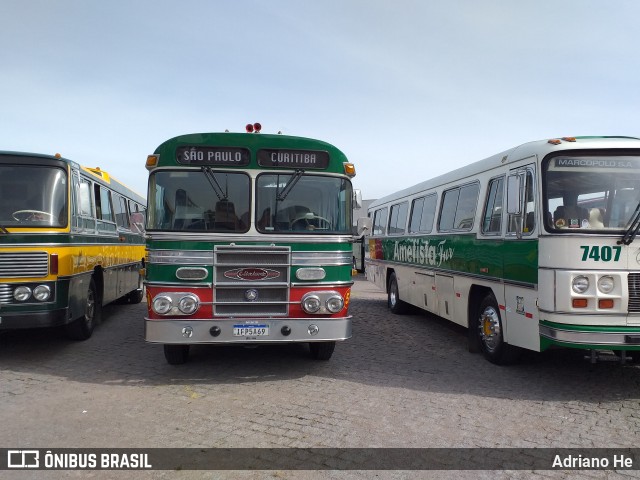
(406,89)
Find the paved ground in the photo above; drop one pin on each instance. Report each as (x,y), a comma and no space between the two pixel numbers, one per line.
(401,381)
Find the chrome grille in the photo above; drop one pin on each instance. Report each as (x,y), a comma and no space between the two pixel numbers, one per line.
(24,264)
(6,293)
(634,292)
(238,262)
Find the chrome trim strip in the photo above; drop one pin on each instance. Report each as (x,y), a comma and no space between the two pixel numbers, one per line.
(180,257)
(322,258)
(277,239)
(586,338)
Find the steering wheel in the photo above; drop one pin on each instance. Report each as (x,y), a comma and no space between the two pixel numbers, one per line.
(31,215)
(310,221)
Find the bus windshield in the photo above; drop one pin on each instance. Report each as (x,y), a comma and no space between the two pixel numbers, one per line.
(33,196)
(199,200)
(306,204)
(590,193)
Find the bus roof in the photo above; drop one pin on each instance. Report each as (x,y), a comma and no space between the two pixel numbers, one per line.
(253,142)
(540,148)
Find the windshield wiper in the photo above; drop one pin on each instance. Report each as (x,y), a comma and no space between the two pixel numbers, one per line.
(289,186)
(633,229)
(217,189)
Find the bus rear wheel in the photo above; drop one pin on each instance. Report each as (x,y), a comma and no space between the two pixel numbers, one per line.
(394,303)
(490,334)
(82,328)
(322,350)
(176,354)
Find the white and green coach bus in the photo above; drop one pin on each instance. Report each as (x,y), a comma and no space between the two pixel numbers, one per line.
(530,248)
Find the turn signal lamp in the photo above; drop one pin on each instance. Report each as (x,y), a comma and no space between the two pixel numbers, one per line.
(152,161)
(579,303)
(350,169)
(605,303)
(53,264)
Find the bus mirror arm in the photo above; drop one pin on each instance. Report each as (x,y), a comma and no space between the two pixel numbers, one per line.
(363,226)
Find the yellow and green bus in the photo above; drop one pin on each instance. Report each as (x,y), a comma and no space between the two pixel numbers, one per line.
(249,241)
(531,248)
(71,240)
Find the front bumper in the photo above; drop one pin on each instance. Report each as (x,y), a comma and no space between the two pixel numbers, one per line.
(174,331)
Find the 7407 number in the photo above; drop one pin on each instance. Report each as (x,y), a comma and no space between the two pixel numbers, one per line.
(605,254)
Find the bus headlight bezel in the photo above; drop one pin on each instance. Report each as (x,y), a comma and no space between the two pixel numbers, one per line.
(189,304)
(311,303)
(335,303)
(22,293)
(606,284)
(162,304)
(42,293)
(580,284)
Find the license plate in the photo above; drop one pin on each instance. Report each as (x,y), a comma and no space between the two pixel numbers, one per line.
(250,330)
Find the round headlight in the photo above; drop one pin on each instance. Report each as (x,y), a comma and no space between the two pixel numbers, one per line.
(188,304)
(580,284)
(311,303)
(606,284)
(41,293)
(22,294)
(335,303)
(162,304)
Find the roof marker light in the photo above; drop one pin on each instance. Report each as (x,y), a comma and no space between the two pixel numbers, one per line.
(350,169)
(249,128)
(152,161)
(569,139)
(554,141)
(257,127)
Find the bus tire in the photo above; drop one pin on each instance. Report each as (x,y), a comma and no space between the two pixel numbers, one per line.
(322,350)
(82,328)
(176,354)
(394,303)
(490,334)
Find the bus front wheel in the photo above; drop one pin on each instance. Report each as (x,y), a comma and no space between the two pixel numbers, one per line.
(82,328)
(321,350)
(394,303)
(176,354)
(490,334)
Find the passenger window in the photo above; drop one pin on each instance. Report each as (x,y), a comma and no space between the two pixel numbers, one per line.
(529,208)
(379,221)
(459,208)
(398,218)
(423,212)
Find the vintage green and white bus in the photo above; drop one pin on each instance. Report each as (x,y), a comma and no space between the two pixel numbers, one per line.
(71,241)
(531,248)
(248,242)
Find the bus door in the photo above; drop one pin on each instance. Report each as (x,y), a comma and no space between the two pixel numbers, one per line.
(520,260)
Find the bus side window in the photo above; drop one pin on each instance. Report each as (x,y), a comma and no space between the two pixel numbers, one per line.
(398,218)
(492,219)
(379,221)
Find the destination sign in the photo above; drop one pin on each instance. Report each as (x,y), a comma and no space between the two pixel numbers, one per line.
(314,159)
(219,156)
(597,162)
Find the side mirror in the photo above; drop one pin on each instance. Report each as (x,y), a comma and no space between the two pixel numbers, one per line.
(357,199)
(363,226)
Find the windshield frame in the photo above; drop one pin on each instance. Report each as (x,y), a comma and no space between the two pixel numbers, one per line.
(594,212)
(39,213)
(240,225)
(301,219)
